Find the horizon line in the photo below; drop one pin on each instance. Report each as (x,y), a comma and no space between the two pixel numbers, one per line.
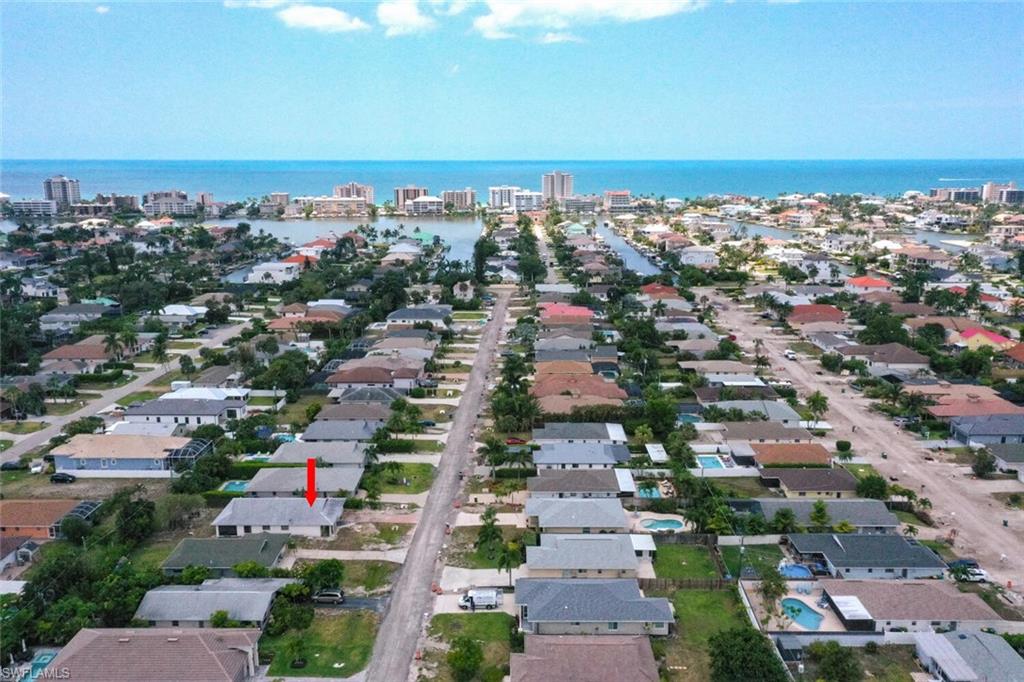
(512,160)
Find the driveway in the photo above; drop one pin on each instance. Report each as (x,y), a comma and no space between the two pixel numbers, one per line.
(411,598)
(56,423)
(959,503)
(375,604)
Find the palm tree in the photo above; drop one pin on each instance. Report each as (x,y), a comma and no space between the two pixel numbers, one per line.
(129,339)
(817,403)
(659,308)
(112,345)
(160,351)
(910,531)
(892,393)
(509,557)
(914,403)
(494,451)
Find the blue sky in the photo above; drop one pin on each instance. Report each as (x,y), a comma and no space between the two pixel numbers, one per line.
(583,79)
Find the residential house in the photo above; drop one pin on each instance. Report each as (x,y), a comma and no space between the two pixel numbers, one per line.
(273,273)
(65,319)
(165,654)
(326,453)
(433,315)
(219,556)
(40,519)
(866,285)
(91,455)
(612,658)
(87,357)
(976,338)
(866,516)
(332,431)
(834,482)
(590,607)
(554,515)
(582,556)
(246,515)
(179,316)
(988,429)
(815,312)
(246,601)
(765,432)
(1009,458)
(791,454)
(354,412)
(564,483)
(291,481)
(775,411)
(887,358)
(867,556)
(192,412)
(570,432)
(561,455)
(968,657)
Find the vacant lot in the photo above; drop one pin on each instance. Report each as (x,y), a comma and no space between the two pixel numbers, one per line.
(699,614)
(492,630)
(412,478)
(462,553)
(888,664)
(337,644)
(684,562)
(361,536)
(755,557)
(20,428)
(742,487)
(371,576)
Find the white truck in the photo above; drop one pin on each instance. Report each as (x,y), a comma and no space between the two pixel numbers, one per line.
(480,598)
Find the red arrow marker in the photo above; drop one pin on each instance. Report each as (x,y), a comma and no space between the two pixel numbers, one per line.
(310,481)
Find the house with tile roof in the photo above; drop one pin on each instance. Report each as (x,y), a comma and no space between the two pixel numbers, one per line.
(611,658)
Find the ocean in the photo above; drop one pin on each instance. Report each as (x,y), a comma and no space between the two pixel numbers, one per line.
(237,180)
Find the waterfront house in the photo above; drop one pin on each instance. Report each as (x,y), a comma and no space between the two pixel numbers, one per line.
(245,515)
(591,607)
(273,273)
(219,556)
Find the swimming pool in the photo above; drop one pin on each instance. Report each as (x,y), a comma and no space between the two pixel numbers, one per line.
(256,458)
(285,437)
(688,419)
(662,524)
(39,664)
(710,462)
(802,614)
(649,493)
(234,486)
(795,571)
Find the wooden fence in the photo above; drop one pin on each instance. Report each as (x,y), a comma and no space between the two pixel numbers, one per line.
(685,584)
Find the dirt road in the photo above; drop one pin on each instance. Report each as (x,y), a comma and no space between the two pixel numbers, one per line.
(56,423)
(411,598)
(959,502)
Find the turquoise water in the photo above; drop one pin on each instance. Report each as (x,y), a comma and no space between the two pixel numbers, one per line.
(233,180)
(802,614)
(285,437)
(649,493)
(662,524)
(795,571)
(39,664)
(710,462)
(688,419)
(234,486)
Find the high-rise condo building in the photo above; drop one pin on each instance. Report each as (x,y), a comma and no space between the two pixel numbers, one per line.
(408,193)
(502,196)
(354,190)
(617,201)
(556,185)
(63,190)
(460,199)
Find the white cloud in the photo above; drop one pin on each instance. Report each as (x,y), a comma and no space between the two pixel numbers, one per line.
(254,4)
(102,9)
(449,7)
(320,18)
(402,17)
(507,15)
(559,37)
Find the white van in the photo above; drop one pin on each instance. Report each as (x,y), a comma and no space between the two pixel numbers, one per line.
(481,598)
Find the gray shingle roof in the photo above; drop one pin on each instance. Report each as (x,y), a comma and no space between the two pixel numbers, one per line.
(369,395)
(576,431)
(580,453)
(246,600)
(223,553)
(574,480)
(582,551)
(990,656)
(860,513)
(856,550)
(280,511)
(1008,452)
(337,430)
(775,410)
(824,480)
(587,600)
(554,512)
(288,480)
(183,407)
(338,453)
(990,425)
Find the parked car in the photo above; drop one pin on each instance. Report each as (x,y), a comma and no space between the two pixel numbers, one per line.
(17,465)
(790,355)
(486,598)
(329,596)
(61,477)
(966,562)
(974,575)
(427,422)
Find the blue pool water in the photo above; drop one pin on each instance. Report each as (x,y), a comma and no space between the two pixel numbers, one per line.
(795,571)
(234,486)
(285,437)
(802,614)
(649,493)
(662,524)
(688,419)
(39,664)
(710,462)
(256,458)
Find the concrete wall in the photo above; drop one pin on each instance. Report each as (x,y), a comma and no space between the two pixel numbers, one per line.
(598,629)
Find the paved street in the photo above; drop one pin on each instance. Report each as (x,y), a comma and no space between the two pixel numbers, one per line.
(111,396)
(958,501)
(411,598)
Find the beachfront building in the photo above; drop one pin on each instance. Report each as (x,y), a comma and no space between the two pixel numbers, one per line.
(459,199)
(62,190)
(618,201)
(354,190)
(424,205)
(328,206)
(556,186)
(502,196)
(408,193)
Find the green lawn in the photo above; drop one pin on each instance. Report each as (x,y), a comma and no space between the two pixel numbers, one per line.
(168,377)
(368,535)
(4,444)
(941,548)
(699,614)
(684,561)
(742,487)
(263,400)
(296,412)
(756,556)
(139,397)
(861,470)
(890,663)
(370,575)
(20,428)
(418,477)
(469,315)
(184,345)
(492,630)
(337,644)
(152,555)
(59,409)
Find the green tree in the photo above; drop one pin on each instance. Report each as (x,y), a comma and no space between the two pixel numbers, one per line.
(251,569)
(221,619)
(75,529)
(784,521)
(984,464)
(873,486)
(323,574)
(489,535)
(819,515)
(817,404)
(743,655)
(836,663)
(772,588)
(188,367)
(193,575)
(464,658)
(509,557)
(135,521)
(844,526)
